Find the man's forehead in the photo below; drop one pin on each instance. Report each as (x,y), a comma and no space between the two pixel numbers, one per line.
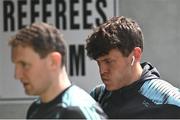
(19,52)
(112,54)
(103,57)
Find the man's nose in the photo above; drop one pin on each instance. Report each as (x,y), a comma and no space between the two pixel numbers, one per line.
(103,69)
(18,73)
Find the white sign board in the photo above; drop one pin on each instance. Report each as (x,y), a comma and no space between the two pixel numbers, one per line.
(74,18)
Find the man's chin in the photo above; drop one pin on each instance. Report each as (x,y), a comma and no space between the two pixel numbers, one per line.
(108,88)
(30,93)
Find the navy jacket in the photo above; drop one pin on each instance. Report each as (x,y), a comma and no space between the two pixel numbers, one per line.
(74,102)
(149,97)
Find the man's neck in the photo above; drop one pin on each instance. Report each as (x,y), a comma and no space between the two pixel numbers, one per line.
(57,87)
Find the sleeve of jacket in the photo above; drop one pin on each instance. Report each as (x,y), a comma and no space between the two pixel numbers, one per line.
(97,92)
(72,113)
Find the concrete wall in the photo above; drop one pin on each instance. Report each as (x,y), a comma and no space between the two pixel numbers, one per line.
(159,20)
(14,109)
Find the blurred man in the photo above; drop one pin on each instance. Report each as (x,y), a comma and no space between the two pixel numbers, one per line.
(39,55)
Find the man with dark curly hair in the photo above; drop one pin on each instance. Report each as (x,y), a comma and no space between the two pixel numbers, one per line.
(130,89)
(39,55)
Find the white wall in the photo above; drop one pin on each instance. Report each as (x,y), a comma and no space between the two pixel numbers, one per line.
(74,37)
(11,89)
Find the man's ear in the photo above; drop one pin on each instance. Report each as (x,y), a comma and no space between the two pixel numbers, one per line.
(137,53)
(55,59)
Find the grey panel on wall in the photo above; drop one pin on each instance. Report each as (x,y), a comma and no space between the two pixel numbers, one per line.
(13,111)
(159,20)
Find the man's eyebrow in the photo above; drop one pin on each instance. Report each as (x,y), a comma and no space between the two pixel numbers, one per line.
(20,62)
(104,59)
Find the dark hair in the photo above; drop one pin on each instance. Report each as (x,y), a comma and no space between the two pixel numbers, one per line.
(118,32)
(43,38)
